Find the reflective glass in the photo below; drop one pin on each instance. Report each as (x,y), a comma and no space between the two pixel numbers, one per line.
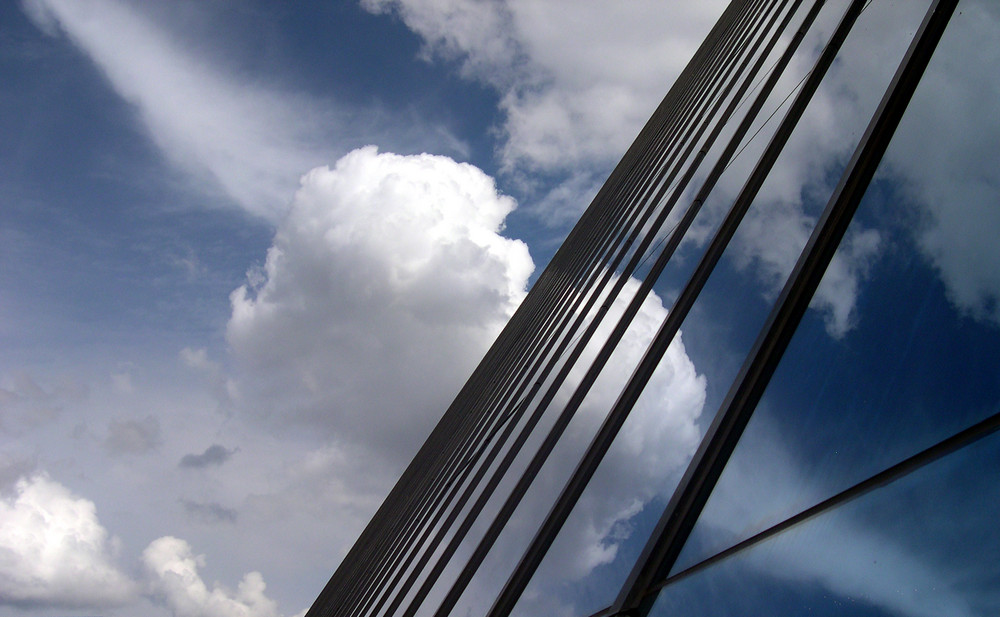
(924,545)
(599,543)
(903,345)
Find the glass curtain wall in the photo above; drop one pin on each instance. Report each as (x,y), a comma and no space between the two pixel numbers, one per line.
(799,413)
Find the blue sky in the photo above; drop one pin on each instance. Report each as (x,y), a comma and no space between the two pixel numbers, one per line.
(251,250)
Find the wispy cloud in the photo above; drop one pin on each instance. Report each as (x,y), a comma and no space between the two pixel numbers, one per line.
(232,133)
(250,141)
(843,551)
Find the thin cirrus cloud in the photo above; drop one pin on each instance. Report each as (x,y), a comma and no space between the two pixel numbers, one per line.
(250,141)
(250,146)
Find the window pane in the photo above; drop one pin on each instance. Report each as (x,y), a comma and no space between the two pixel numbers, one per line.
(922,546)
(904,348)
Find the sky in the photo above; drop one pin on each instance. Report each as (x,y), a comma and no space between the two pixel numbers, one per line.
(251,250)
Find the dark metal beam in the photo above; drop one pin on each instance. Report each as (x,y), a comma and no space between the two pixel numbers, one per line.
(697,484)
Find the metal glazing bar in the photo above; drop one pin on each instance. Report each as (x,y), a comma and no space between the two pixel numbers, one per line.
(453,545)
(698,482)
(578,481)
(943,448)
(508,508)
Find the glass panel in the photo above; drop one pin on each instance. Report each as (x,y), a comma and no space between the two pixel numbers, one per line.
(923,546)
(903,347)
(596,549)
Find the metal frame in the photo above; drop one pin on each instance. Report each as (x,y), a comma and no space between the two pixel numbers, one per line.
(396,562)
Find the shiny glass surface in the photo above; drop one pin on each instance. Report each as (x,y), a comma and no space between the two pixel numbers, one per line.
(903,347)
(921,546)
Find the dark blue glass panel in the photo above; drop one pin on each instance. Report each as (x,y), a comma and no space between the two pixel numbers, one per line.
(903,348)
(923,546)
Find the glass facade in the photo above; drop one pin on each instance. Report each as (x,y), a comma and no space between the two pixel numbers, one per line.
(832,308)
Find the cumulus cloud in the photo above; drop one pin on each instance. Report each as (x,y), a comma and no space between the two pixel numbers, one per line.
(384,286)
(175,581)
(214,455)
(382,289)
(54,553)
(573,95)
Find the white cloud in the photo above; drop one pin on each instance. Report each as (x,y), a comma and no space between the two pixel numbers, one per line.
(389,276)
(770,241)
(651,450)
(174,579)
(246,139)
(869,565)
(573,98)
(54,552)
(576,80)
(233,133)
(384,286)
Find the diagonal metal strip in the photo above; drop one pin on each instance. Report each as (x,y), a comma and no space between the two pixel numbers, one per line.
(689,499)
